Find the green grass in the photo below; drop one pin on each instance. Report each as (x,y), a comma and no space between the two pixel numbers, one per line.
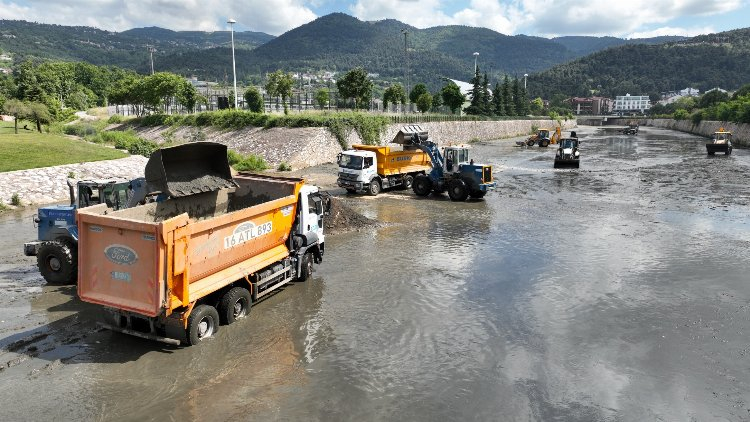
(31,149)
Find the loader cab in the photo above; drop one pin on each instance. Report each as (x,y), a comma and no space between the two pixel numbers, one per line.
(454,158)
(113,193)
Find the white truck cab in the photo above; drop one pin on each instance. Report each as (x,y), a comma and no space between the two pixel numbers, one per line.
(357,169)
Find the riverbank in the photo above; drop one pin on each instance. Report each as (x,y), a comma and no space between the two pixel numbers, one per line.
(740,131)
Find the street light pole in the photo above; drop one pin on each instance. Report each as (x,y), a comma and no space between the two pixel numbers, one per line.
(525,75)
(151,51)
(476,54)
(231,23)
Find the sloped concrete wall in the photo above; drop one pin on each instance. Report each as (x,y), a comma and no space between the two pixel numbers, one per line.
(740,131)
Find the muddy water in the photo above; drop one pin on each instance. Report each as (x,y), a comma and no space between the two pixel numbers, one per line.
(617,291)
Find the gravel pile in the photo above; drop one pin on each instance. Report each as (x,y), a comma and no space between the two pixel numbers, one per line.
(344,218)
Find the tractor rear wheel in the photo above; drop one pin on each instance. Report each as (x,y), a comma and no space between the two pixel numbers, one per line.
(422,185)
(56,263)
(457,190)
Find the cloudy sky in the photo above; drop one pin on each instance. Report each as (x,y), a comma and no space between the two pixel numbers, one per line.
(629,18)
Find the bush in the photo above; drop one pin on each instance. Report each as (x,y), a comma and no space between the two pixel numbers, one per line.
(251,163)
(80,129)
(284,167)
(115,118)
(681,114)
(142,147)
(15,200)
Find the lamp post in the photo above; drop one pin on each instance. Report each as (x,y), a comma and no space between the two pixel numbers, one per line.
(525,75)
(476,54)
(151,50)
(231,23)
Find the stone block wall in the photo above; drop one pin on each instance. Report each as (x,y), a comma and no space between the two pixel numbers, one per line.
(740,131)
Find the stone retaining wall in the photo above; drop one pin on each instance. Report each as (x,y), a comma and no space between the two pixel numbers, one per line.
(740,131)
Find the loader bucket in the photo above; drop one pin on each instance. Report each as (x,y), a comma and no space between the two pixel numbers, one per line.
(189,169)
(566,164)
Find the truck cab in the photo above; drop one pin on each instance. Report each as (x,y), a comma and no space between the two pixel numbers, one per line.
(356,170)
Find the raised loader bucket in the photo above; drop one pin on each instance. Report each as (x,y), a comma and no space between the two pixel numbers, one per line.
(189,169)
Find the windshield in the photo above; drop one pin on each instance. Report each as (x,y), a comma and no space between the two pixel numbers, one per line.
(543,133)
(568,143)
(350,161)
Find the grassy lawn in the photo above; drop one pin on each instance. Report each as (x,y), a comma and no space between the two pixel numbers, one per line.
(31,149)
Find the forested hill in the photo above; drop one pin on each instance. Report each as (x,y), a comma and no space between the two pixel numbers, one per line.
(703,62)
(581,45)
(126,49)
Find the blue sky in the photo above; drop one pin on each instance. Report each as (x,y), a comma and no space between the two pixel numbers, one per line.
(546,18)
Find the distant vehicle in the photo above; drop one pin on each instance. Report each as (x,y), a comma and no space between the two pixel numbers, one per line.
(542,137)
(720,142)
(632,129)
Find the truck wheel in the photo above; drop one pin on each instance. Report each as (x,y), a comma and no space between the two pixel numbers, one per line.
(202,324)
(374,187)
(56,263)
(234,305)
(477,194)
(422,185)
(457,190)
(408,181)
(307,267)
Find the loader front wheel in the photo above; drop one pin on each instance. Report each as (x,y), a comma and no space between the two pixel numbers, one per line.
(457,190)
(202,324)
(234,305)
(422,185)
(56,263)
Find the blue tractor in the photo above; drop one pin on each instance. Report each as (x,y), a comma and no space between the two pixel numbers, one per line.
(452,171)
(56,248)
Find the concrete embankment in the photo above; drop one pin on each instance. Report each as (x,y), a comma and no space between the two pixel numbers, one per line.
(740,131)
(299,147)
(305,147)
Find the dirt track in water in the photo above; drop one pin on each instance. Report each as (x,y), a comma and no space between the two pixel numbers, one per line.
(617,291)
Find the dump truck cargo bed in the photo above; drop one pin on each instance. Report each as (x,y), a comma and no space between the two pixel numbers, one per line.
(161,256)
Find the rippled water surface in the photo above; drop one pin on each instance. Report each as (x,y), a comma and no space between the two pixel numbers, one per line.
(618,291)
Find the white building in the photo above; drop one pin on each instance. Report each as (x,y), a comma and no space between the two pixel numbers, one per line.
(631,104)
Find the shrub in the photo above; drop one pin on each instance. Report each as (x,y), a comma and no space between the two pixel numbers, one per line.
(284,167)
(680,114)
(251,163)
(234,157)
(15,200)
(115,118)
(142,147)
(71,175)
(80,129)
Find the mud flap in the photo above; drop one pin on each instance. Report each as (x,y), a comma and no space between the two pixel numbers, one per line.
(189,169)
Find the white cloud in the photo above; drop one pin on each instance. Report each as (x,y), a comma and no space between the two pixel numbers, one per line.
(668,30)
(273,17)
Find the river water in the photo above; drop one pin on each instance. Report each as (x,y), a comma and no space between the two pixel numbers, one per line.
(617,291)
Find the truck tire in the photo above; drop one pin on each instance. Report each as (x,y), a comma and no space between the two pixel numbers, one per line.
(422,185)
(56,263)
(374,188)
(202,324)
(234,305)
(307,267)
(408,181)
(457,190)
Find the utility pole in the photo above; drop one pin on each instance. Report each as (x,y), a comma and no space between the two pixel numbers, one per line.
(406,65)
(231,23)
(151,50)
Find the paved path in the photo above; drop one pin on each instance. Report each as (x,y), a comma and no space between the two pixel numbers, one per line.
(48,184)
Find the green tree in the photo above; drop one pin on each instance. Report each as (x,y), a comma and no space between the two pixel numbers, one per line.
(452,96)
(187,95)
(17,109)
(681,114)
(497,100)
(475,107)
(159,88)
(537,106)
(417,92)
(519,99)
(322,97)
(424,102)
(713,97)
(743,91)
(394,94)
(437,102)
(280,85)
(39,114)
(27,86)
(253,99)
(486,101)
(508,103)
(356,85)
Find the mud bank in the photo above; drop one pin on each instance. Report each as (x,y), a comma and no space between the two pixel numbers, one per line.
(740,131)
(305,147)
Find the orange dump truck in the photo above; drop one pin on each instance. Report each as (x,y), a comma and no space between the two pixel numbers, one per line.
(175,270)
(371,168)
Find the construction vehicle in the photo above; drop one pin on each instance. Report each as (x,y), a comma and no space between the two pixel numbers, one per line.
(174,270)
(721,141)
(567,153)
(632,129)
(543,137)
(452,170)
(371,168)
(56,247)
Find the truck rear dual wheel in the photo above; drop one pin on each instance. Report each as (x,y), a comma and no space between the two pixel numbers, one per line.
(57,262)
(234,305)
(408,181)
(422,185)
(203,323)
(457,190)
